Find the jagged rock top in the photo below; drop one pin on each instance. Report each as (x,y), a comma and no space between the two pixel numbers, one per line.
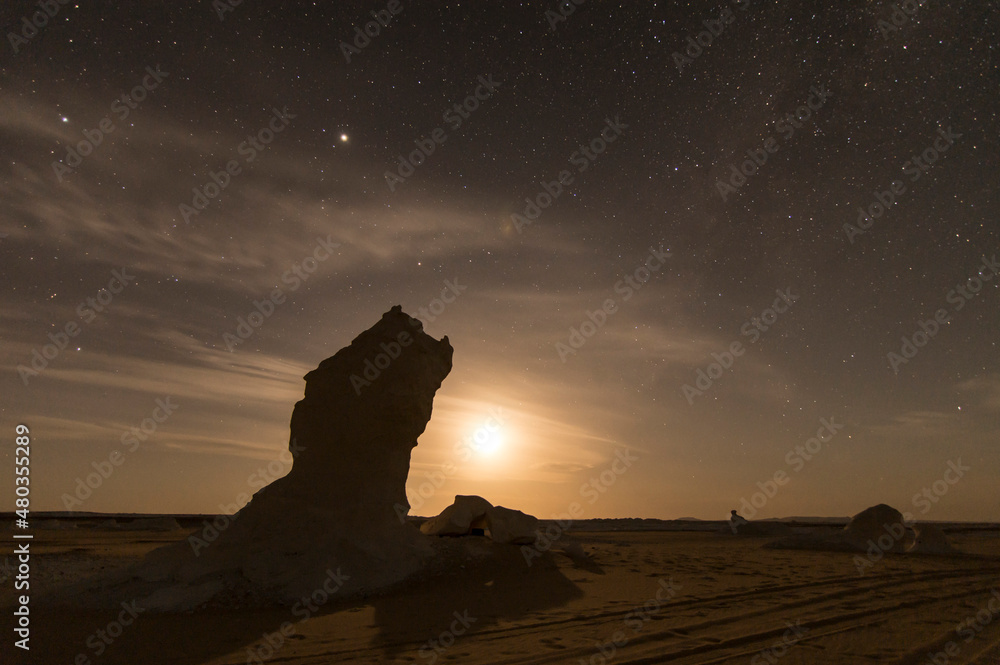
(395,348)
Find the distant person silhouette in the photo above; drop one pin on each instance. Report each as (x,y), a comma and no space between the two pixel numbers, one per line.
(736,521)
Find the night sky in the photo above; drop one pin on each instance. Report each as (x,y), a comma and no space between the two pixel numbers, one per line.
(668,180)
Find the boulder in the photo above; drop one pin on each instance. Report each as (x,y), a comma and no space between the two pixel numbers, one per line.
(511,526)
(466,513)
(882,525)
(471,513)
(930,539)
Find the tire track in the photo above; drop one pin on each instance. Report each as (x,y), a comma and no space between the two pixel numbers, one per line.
(751,643)
(818,604)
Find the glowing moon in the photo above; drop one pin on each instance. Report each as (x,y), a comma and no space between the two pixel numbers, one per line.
(487,440)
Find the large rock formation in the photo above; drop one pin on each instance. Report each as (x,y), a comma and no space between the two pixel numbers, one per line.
(507,525)
(330,522)
(882,525)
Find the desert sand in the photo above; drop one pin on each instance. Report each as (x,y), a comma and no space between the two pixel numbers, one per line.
(664,595)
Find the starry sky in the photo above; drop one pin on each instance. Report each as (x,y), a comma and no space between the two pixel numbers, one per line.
(693,231)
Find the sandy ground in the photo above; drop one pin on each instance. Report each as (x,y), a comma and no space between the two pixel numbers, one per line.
(652,597)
